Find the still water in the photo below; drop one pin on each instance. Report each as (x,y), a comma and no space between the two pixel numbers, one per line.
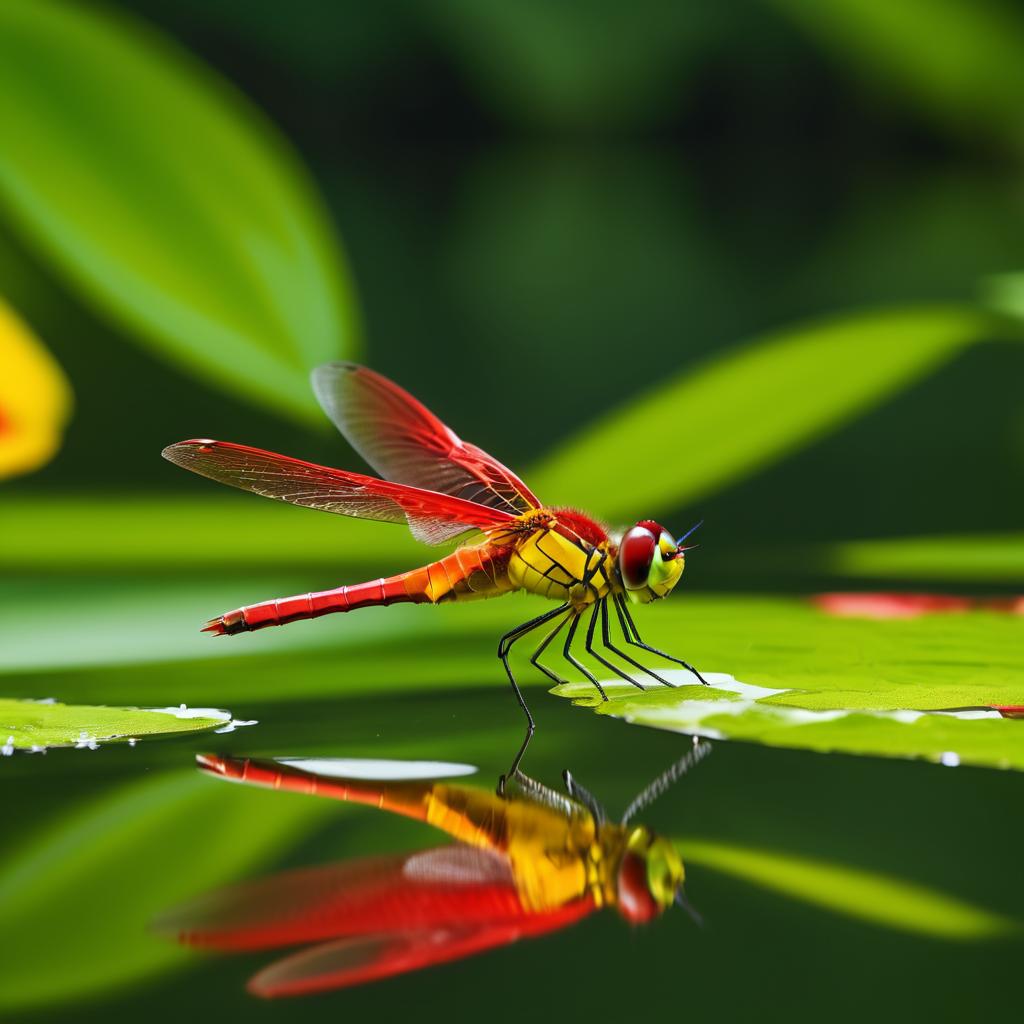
(144,831)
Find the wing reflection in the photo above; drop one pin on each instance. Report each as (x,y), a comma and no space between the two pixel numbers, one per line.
(526,861)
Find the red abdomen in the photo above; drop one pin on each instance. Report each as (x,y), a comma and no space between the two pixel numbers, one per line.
(465,573)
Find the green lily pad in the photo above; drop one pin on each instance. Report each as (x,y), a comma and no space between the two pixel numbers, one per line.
(781,718)
(925,687)
(38,725)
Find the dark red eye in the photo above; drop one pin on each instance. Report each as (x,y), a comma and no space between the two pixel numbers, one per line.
(635,556)
(636,904)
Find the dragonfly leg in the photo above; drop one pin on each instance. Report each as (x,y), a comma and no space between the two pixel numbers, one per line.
(607,641)
(632,635)
(534,659)
(597,657)
(575,662)
(583,795)
(504,647)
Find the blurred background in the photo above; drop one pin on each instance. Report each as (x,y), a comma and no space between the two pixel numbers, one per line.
(757,263)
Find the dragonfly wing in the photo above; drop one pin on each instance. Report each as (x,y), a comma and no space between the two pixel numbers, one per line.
(441,888)
(431,516)
(406,442)
(355,961)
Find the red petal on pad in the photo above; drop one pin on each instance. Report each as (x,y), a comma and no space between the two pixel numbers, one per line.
(890,606)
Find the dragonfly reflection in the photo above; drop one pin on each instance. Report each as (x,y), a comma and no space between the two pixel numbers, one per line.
(526,861)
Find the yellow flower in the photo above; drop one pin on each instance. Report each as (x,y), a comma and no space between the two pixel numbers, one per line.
(35,398)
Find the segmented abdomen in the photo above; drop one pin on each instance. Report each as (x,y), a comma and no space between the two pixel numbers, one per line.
(464,574)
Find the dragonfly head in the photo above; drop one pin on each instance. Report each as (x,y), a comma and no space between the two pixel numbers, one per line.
(651,876)
(651,561)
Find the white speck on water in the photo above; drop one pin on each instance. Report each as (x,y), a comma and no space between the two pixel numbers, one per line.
(949,759)
(236,723)
(8,748)
(132,741)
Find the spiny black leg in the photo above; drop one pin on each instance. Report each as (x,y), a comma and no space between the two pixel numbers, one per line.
(543,645)
(567,654)
(607,641)
(585,797)
(597,657)
(637,642)
(504,646)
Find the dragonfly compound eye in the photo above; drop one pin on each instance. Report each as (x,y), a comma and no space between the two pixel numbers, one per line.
(636,553)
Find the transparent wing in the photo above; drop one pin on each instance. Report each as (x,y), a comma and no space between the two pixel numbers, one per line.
(432,517)
(404,441)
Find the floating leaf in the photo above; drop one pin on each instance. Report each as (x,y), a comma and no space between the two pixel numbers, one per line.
(818,682)
(853,892)
(80,896)
(38,725)
(168,201)
(35,398)
(749,407)
(816,720)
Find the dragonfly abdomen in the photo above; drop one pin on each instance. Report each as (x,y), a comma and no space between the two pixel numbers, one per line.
(466,573)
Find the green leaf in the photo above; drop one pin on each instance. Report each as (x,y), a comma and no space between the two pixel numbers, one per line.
(38,725)
(983,559)
(853,892)
(814,682)
(80,896)
(706,428)
(963,66)
(169,533)
(168,201)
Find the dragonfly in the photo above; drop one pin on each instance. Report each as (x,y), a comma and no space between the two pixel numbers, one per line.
(523,864)
(444,489)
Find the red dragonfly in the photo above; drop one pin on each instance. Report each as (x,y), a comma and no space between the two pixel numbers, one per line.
(442,488)
(522,865)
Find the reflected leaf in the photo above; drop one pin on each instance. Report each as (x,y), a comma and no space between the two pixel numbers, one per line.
(750,407)
(94,879)
(168,201)
(35,398)
(853,892)
(38,725)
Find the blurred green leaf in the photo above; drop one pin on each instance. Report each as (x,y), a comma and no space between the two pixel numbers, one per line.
(577,67)
(80,896)
(727,418)
(36,725)
(960,61)
(984,559)
(169,533)
(853,892)
(1005,294)
(169,201)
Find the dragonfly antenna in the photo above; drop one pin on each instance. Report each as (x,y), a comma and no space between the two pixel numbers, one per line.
(694,913)
(673,773)
(692,529)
